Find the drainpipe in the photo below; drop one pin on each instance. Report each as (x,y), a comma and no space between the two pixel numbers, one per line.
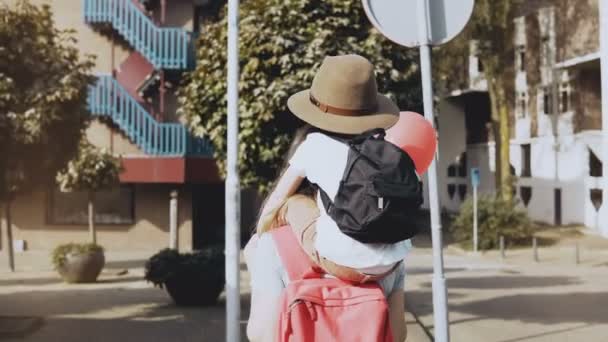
(113,66)
(603,4)
(173,220)
(555,81)
(163,90)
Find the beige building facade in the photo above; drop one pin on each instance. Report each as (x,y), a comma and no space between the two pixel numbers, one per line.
(134,106)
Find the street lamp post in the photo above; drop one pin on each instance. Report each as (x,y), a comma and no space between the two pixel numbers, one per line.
(442,333)
(434,22)
(604,66)
(233,198)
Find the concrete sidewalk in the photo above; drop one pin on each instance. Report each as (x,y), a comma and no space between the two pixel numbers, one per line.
(490,299)
(36,306)
(518,299)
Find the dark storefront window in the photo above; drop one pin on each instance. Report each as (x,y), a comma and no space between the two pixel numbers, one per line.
(114,206)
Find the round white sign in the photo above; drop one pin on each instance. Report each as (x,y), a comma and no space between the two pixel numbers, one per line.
(398,20)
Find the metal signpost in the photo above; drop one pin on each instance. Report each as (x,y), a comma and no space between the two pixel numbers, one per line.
(422,23)
(475,183)
(233,198)
(604,70)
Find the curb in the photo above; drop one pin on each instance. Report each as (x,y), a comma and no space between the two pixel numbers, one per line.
(18,327)
(427,332)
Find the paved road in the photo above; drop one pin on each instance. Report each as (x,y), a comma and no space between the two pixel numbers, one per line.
(491,300)
(517,299)
(36,306)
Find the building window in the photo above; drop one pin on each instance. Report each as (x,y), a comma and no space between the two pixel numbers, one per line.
(521,55)
(452,171)
(525,192)
(479,65)
(557,205)
(547,101)
(462,191)
(523,104)
(596,198)
(451,190)
(595,165)
(114,206)
(525,160)
(462,165)
(564,99)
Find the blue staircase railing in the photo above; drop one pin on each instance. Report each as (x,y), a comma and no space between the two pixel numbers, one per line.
(165,48)
(108,98)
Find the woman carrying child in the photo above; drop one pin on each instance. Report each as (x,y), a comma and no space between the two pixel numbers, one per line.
(342,103)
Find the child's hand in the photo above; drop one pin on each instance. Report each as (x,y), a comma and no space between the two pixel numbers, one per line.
(287,185)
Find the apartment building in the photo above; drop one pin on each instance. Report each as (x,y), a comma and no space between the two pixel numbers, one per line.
(555,117)
(142,50)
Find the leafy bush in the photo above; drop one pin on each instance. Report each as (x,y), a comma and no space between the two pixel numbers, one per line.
(496,217)
(61,252)
(282,43)
(190,278)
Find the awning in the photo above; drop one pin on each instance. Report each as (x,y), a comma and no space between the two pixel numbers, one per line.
(579,61)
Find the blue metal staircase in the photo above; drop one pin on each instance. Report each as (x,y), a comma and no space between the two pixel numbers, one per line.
(165,48)
(108,98)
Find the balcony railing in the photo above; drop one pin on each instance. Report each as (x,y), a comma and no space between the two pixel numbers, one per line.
(165,48)
(108,98)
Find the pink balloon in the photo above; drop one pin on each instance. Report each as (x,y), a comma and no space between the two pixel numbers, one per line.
(417,137)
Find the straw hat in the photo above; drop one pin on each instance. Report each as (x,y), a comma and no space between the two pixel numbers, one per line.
(344,98)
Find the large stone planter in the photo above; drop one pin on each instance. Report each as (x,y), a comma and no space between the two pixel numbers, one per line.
(82,267)
(194,292)
(191,279)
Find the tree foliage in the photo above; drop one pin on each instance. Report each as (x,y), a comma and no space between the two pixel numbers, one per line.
(43,86)
(492,27)
(282,43)
(92,170)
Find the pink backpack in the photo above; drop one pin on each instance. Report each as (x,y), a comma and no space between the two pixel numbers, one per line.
(313,308)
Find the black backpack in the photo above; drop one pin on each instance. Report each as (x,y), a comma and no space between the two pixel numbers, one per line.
(379,194)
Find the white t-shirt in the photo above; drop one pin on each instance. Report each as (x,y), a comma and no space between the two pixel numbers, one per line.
(322,160)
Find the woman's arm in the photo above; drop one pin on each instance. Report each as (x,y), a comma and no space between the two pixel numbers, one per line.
(266,286)
(396,313)
(249,251)
(263,317)
(287,185)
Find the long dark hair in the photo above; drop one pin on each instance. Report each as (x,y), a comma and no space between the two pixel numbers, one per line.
(306,188)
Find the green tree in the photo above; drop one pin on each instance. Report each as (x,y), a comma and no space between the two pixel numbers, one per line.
(282,43)
(43,86)
(492,27)
(91,171)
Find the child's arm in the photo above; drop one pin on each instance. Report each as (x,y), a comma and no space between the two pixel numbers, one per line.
(287,185)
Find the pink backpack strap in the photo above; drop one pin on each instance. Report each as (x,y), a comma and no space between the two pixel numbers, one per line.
(295,260)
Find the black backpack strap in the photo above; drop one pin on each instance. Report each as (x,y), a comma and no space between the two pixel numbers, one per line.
(366,135)
(327,202)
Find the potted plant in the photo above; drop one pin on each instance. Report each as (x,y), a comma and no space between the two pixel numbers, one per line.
(92,170)
(78,262)
(191,279)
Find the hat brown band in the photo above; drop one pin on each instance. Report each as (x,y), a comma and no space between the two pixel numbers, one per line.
(339,111)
